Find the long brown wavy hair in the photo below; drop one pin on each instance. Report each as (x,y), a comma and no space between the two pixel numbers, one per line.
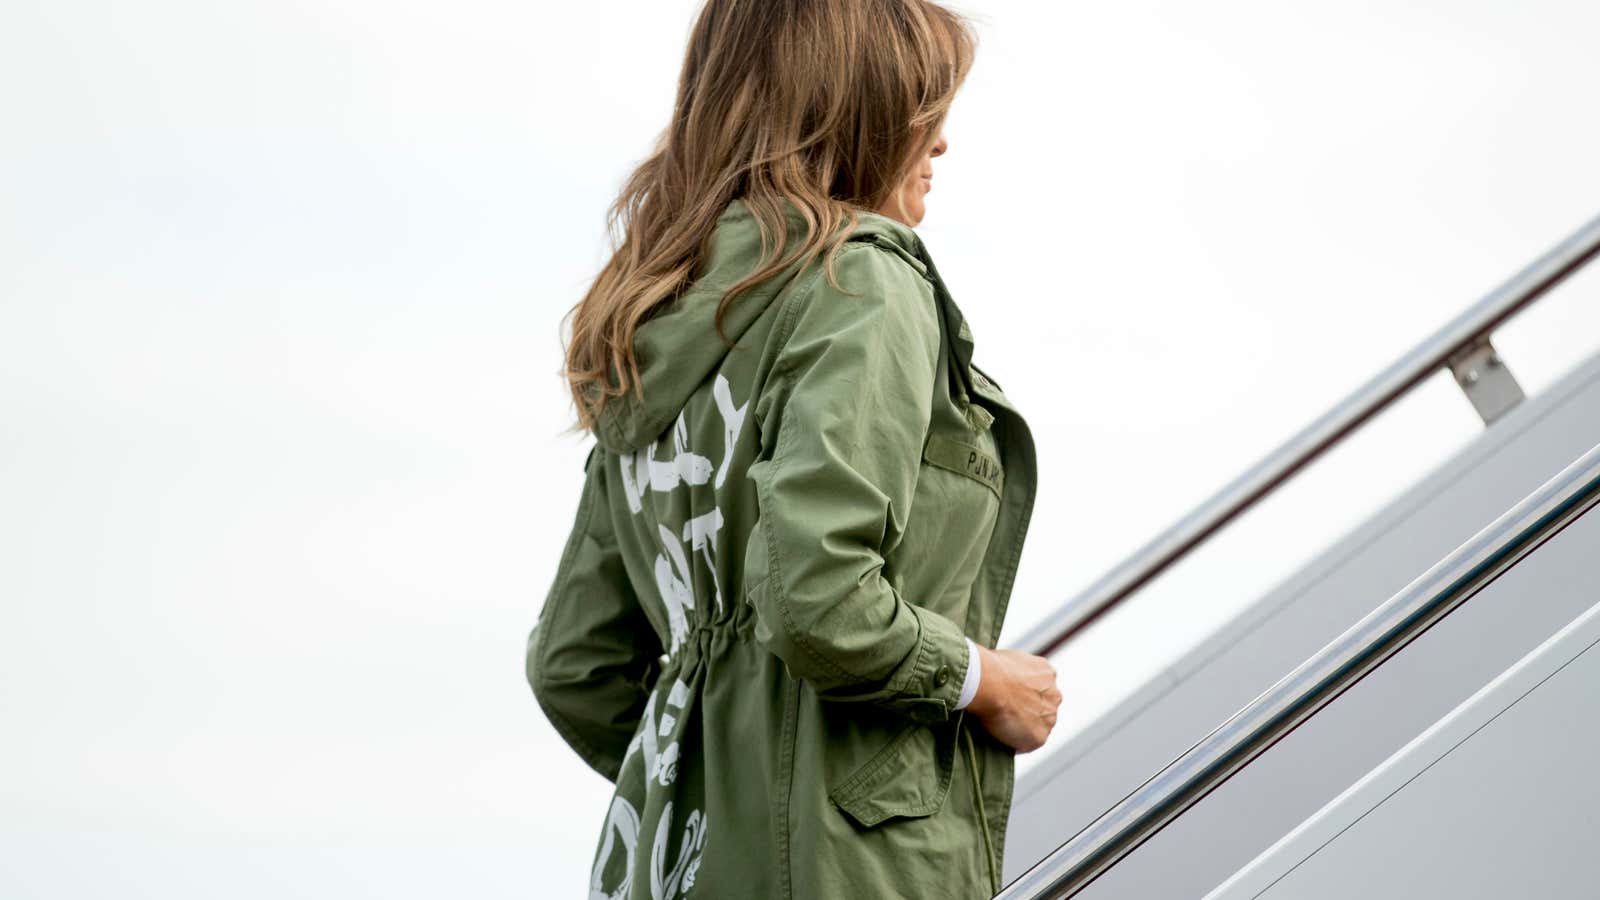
(826,104)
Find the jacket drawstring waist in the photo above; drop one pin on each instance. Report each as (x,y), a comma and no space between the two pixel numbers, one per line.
(977,800)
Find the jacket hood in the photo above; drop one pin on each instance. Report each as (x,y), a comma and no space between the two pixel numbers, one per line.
(678,348)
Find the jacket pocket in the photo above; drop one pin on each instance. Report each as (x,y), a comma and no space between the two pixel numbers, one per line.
(909,777)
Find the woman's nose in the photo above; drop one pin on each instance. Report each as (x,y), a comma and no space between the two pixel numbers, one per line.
(940,147)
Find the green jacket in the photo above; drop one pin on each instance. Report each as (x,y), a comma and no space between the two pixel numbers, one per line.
(756,628)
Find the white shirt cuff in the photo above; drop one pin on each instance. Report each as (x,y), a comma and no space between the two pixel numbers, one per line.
(969,685)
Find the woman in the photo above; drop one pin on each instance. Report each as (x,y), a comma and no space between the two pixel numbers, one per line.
(801,521)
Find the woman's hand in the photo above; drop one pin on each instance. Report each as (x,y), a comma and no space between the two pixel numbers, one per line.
(1017,698)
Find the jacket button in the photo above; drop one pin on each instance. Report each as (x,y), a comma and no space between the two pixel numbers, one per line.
(942,677)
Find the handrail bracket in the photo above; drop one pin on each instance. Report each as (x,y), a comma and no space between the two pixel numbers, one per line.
(1486,380)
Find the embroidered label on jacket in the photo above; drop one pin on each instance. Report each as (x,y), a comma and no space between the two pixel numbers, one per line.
(964,459)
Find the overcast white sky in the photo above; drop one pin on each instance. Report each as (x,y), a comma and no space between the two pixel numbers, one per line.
(281,484)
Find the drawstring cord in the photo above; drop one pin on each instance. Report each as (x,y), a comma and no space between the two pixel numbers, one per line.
(983,813)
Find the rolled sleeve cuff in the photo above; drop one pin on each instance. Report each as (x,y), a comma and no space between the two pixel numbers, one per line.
(943,657)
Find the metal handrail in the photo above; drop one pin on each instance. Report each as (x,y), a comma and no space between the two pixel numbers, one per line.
(1473,325)
(1314,683)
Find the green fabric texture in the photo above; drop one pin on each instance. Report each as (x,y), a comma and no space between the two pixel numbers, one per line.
(756,629)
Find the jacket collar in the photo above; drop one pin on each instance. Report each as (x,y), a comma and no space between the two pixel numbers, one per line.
(678,348)
(899,238)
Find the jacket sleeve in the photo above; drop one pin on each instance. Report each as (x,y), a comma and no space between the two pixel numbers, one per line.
(592,654)
(844,415)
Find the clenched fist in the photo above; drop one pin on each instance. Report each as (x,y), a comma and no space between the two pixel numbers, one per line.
(1017,698)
